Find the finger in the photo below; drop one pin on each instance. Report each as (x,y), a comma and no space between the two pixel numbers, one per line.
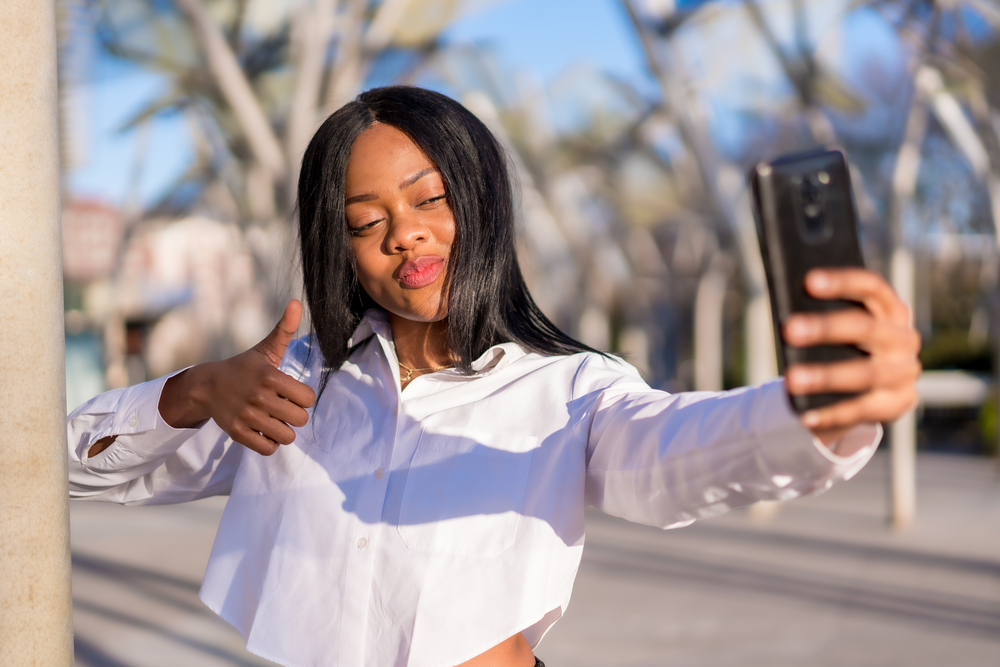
(285,411)
(875,406)
(860,285)
(275,395)
(857,375)
(276,342)
(273,429)
(254,441)
(850,326)
(292,390)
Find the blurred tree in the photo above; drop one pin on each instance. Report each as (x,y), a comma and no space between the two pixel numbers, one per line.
(611,248)
(815,86)
(255,78)
(954,81)
(722,193)
(948,69)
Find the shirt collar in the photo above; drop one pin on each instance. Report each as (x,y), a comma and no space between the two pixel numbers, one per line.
(376,323)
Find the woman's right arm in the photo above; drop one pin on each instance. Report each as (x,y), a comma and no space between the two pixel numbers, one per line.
(125,444)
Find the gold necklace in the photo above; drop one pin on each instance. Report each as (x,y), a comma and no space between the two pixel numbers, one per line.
(411,371)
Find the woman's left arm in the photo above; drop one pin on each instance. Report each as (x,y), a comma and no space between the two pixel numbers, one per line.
(667,460)
(886,379)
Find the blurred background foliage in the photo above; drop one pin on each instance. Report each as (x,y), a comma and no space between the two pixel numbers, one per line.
(636,232)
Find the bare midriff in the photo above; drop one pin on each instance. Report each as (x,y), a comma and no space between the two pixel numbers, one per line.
(513,652)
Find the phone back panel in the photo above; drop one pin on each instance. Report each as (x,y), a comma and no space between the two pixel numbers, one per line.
(806,219)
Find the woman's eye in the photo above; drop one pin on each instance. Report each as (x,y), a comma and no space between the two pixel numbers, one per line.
(357,231)
(433,200)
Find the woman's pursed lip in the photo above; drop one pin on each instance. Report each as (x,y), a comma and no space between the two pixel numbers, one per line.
(420,271)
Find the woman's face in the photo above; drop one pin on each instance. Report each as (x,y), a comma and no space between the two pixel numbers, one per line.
(401,224)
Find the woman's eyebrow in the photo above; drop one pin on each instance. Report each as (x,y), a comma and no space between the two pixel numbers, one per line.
(410,180)
(368,196)
(416,177)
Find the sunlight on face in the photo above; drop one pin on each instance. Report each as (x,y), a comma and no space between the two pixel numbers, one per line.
(401,224)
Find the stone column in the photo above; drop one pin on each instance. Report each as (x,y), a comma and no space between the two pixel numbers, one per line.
(903,432)
(35,602)
(709,302)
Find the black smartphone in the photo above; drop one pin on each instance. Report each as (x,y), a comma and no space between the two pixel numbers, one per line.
(806,218)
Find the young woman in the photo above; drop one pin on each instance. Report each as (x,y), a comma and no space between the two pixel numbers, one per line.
(407,484)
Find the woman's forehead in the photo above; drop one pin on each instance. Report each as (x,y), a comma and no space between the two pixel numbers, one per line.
(384,156)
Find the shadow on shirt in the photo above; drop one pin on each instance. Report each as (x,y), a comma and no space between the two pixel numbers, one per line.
(461,492)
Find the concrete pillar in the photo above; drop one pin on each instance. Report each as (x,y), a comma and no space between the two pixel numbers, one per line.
(35,603)
(903,432)
(762,359)
(761,366)
(708,315)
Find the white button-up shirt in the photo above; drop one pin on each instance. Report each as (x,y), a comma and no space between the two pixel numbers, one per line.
(423,527)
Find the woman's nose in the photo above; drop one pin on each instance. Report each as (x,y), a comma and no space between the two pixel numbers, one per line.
(405,231)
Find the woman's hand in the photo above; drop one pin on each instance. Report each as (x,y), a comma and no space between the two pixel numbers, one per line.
(246,395)
(887,378)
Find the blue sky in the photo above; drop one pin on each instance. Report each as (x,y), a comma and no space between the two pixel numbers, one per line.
(541,37)
(111,156)
(537,38)
(534,36)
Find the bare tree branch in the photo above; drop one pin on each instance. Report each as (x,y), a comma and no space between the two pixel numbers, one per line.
(356,48)
(314,26)
(345,74)
(236,89)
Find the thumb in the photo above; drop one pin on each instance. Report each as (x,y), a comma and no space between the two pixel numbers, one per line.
(275,343)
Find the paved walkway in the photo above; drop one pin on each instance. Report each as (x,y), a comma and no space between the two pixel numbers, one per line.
(823,583)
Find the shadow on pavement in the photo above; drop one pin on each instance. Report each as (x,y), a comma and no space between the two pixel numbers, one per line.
(165,589)
(173,591)
(126,619)
(976,616)
(830,546)
(88,655)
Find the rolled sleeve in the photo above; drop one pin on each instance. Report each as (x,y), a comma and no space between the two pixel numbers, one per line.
(131,470)
(135,419)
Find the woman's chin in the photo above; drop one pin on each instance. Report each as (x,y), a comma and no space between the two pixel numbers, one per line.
(419,315)
(429,309)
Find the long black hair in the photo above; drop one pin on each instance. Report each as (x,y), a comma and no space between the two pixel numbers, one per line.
(488,301)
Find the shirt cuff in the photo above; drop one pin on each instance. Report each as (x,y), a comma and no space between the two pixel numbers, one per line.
(798,447)
(860,440)
(138,426)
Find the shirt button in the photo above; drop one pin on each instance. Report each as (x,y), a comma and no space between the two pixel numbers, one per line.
(379,473)
(133,421)
(363,542)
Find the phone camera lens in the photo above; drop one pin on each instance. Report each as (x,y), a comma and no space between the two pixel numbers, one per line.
(812,191)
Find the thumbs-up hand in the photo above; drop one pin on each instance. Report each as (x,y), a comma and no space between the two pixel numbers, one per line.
(246,395)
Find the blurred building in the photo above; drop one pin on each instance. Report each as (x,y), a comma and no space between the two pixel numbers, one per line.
(186,291)
(92,237)
(146,299)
